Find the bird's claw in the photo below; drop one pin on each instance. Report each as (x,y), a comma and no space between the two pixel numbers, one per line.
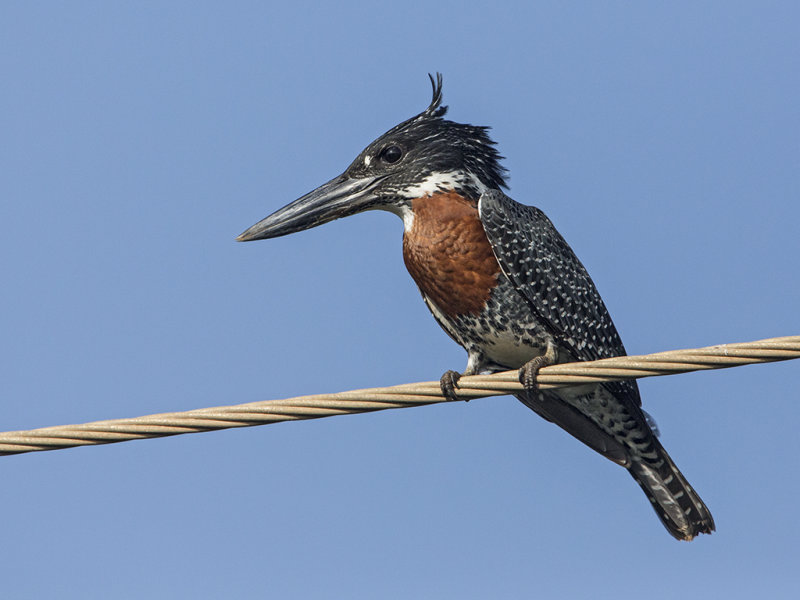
(529,371)
(449,385)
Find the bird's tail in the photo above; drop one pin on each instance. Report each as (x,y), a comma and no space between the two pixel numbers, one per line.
(677,505)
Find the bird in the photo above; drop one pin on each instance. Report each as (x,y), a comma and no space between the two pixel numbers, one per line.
(504,284)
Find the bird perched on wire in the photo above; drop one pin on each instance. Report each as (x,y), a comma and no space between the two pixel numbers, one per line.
(503,283)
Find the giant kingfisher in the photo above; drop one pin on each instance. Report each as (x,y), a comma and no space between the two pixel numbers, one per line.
(503,283)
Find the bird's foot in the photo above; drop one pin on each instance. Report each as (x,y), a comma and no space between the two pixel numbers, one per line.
(449,385)
(529,371)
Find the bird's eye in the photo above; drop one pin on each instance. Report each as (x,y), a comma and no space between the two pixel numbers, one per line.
(391,154)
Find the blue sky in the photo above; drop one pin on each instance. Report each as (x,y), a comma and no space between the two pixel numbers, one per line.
(138,139)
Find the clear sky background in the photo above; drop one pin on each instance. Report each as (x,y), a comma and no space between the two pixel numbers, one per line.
(138,139)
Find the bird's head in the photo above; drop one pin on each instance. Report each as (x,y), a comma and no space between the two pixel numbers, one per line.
(419,157)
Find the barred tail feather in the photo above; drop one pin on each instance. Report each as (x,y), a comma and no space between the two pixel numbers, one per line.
(678,506)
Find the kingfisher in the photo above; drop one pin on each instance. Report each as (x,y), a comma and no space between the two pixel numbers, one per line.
(504,284)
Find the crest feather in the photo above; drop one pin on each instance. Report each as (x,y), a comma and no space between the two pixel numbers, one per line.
(435,109)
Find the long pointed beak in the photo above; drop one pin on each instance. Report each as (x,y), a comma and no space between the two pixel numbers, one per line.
(340,197)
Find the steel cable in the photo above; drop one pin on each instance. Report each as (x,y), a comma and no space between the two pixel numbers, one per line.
(400,396)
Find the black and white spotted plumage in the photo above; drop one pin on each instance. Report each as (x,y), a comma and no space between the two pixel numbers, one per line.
(550,279)
(546,272)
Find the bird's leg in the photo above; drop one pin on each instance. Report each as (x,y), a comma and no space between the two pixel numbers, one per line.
(529,371)
(449,381)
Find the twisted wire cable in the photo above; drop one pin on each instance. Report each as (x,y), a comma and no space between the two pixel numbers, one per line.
(399,396)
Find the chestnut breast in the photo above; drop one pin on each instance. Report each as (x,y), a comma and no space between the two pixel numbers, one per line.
(447,253)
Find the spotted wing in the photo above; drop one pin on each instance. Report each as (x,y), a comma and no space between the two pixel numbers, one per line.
(546,272)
